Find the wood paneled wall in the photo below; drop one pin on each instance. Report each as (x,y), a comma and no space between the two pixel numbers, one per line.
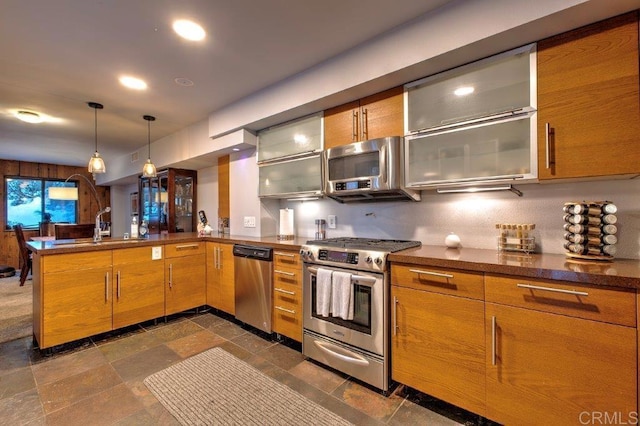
(87,205)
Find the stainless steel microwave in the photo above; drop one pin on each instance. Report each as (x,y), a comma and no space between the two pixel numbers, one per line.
(372,170)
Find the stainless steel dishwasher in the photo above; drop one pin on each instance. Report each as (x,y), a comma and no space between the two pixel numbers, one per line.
(253,275)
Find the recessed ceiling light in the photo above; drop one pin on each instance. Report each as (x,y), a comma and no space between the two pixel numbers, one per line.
(133,82)
(28,116)
(182,81)
(464,90)
(189,30)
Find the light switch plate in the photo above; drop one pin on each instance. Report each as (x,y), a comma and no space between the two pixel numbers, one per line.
(156,253)
(249,221)
(331,221)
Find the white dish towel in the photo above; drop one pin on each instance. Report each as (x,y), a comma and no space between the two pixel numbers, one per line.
(323,292)
(342,295)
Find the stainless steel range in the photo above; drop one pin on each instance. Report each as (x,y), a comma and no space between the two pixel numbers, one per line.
(346,305)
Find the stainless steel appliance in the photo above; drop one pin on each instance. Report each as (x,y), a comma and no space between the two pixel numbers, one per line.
(367,171)
(253,285)
(358,347)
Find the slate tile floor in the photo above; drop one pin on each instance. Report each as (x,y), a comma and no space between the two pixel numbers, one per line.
(99,381)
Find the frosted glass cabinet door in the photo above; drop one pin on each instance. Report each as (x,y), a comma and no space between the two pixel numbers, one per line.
(482,152)
(291,178)
(298,137)
(495,85)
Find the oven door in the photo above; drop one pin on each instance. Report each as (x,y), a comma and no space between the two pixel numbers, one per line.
(367,329)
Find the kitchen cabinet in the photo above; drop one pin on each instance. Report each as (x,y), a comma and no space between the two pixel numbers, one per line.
(287,294)
(168,201)
(373,117)
(588,101)
(474,123)
(185,276)
(292,139)
(291,178)
(220,277)
(138,285)
(72,297)
(437,333)
(558,350)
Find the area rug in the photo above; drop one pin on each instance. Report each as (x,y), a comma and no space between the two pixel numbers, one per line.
(216,388)
(16,309)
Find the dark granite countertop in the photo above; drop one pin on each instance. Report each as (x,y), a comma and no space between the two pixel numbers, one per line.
(617,273)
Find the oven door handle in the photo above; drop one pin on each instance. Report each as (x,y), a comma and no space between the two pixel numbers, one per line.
(368,281)
(351,357)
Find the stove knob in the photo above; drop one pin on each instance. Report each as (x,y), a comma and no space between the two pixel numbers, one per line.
(378,261)
(368,259)
(302,253)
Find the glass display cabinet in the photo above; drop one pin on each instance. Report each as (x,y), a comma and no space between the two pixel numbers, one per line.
(168,201)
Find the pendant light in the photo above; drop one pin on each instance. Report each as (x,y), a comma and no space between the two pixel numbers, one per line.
(149,170)
(96,164)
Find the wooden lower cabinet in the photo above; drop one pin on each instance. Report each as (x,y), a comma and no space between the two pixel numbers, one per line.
(72,297)
(550,362)
(438,347)
(138,286)
(185,276)
(221,293)
(287,294)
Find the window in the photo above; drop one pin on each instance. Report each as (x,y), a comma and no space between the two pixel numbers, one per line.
(26,205)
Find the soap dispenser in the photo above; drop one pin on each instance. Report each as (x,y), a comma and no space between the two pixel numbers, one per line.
(134,227)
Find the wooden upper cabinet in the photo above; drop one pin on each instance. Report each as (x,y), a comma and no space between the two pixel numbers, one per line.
(373,117)
(589,102)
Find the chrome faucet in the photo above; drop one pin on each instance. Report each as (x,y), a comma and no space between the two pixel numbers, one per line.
(96,232)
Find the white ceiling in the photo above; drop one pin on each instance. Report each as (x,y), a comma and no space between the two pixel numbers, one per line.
(56,55)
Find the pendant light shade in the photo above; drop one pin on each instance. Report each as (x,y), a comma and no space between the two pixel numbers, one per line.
(149,170)
(96,163)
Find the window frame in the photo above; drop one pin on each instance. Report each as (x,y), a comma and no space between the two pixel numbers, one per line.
(43,184)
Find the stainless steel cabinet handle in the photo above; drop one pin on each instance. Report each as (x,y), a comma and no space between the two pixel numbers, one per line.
(106,287)
(555,290)
(187,246)
(289,311)
(289,274)
(219,258)
(281,290)
(171,275)
(365,125)
(354,126)
(435,274)
(547,131)
(395,315)
(118,284)
(493,340)
(279,253)
(340,353)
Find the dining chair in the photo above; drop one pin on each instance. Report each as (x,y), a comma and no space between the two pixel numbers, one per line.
(25,254)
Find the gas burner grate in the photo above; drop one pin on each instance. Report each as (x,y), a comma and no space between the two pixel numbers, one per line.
(390,246)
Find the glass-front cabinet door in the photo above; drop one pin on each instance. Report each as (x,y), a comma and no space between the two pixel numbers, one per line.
(290,179)
(167,201)
(292,139)
(501,84)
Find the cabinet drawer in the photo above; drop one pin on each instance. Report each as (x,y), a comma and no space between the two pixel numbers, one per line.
(604,304)
(132,255)
(438,280)
(287,318)
(76,261)
(287,276)
(285,259)
(289,294)
(183,249)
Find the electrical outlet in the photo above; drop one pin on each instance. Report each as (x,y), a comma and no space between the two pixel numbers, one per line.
(249,221)
(156,253)
(331,221)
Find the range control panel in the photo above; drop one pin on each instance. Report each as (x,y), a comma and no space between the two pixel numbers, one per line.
(364,260)
(338,256)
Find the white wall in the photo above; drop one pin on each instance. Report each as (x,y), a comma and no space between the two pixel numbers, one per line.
(208,193)
(121,208)
(473,216)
